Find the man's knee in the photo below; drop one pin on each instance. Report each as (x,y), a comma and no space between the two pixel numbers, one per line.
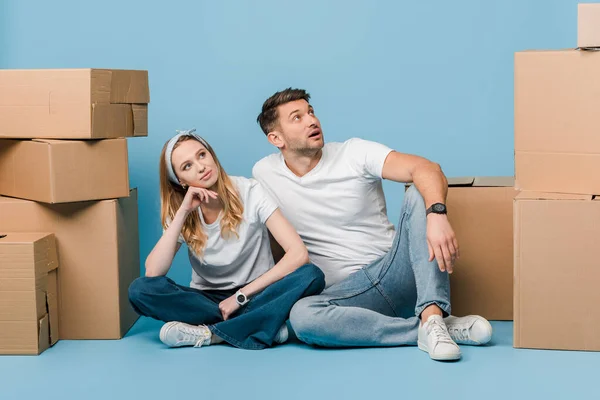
(413,198)
(304,317)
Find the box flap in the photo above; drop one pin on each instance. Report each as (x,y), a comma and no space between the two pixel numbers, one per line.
(112,121)
(140,119)
(43,334)
(529,195)
(54,141)
(128,86)
(461,181)
(21,237)
(482,181)
(52,305)
(494,181)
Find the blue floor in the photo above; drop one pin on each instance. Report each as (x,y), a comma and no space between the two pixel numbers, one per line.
(140,367)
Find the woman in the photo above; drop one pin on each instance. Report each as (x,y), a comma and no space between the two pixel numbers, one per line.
(237,294)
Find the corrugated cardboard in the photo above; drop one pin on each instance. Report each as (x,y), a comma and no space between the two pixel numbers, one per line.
(98,250)
(557,130)
(480,212)
(28,292)
(556,272)
(588,25)
(62,171)
(73,103)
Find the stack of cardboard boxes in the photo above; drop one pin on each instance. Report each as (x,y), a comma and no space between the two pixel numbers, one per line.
(68,220)
(557,212)
(528,252)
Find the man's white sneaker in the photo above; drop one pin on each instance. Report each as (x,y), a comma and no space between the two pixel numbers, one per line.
(472,329)
(435,339)
(282,334)
(178,334)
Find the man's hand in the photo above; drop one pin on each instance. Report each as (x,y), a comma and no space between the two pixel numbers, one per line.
(441,241)
(228,307)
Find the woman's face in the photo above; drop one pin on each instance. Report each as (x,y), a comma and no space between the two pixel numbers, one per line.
(194,165)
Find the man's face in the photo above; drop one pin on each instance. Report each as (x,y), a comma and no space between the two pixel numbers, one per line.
(299,128)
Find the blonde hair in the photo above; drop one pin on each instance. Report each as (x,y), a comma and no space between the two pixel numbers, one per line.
(172,194)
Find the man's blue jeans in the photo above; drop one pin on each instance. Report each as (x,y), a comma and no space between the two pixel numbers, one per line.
(380,304)
(253,327)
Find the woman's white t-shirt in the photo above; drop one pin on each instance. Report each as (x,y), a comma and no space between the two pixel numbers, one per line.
(233,262)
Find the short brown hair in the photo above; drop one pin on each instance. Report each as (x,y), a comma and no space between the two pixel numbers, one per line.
(267,119)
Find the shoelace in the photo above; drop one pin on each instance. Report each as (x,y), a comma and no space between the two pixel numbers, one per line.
(439,332)
(191,333)
(460,333)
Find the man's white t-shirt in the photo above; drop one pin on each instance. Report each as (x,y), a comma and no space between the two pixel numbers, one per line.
(231,263)
(338,208)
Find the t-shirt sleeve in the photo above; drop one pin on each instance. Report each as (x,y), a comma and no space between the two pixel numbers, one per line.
(367,157)
(260,202)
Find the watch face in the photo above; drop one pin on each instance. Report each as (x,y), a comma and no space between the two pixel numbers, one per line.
(241,298)
(439,207)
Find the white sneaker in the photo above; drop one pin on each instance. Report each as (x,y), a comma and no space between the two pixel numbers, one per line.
(178,334)
(282,334)
(472,329)
(435,339)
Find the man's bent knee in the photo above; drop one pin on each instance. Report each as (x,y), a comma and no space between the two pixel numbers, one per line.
(413,196)
(303,318)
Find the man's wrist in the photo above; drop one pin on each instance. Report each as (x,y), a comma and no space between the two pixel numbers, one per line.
(437,208)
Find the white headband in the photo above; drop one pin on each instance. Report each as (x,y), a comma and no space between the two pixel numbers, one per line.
(169,150)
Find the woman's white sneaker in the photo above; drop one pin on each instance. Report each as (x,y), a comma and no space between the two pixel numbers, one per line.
(471,330)
(178,334)
(435,339)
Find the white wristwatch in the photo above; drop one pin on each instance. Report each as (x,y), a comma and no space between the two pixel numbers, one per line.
(241,298)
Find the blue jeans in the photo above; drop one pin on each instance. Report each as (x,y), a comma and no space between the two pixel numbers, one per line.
(253,327)
(380,304)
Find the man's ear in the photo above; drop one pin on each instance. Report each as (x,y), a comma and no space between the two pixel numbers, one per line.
(275,139)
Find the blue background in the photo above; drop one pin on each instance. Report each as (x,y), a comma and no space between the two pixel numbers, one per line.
(434,78)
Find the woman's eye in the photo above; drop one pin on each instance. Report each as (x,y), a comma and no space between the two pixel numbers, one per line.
(202,155)
(186,167)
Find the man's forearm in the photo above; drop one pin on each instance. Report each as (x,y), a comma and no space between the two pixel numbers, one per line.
(431,183)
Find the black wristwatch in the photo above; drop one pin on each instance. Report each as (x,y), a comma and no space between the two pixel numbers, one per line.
(437,208)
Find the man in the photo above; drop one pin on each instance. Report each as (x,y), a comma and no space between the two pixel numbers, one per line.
(384,287)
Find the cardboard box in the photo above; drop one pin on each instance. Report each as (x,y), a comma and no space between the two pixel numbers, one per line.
(556,271)
(98,251)
(62,171)
(28,292)
(557,130)
(588,25)
(480,211)
(73,103)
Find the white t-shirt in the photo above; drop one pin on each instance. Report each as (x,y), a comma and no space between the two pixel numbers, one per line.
(338,208)
(232,262)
